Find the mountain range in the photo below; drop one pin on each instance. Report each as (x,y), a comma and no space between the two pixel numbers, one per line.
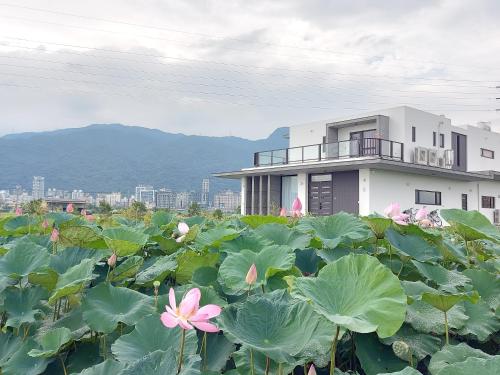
(115,157)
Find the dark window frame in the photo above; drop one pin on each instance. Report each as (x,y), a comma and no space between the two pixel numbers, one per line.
(488,151)
(413,134)
(441,140)
(488,201)
(437,197)
(434,138)
(465,204)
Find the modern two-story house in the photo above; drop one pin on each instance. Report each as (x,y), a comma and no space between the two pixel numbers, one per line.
(361,164)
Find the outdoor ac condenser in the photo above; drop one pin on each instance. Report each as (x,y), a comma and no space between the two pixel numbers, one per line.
(433,158)
(420,155)
(441,162)
(449,158)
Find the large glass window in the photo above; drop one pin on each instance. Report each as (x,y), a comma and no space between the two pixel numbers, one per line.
(428,197)
(289,191)
(487,202)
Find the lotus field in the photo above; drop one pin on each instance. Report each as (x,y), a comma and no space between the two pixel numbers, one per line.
(249,295)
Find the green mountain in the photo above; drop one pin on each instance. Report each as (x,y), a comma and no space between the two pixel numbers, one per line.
(113,157)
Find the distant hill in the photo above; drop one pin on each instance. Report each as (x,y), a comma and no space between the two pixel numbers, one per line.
(115,157)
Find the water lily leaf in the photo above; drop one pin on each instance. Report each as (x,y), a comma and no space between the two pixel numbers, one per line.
(471,225)
(216,236)
(162,362)
(51,342)
(46,278)
(87,236)
(74,322)
(374,357)
(126,269)
(280,234)
(405,371)
(307,261)
(105,305)
(123,240)
(190,261)
(73,280)
(336,229)
(107,367)
(444,302)
(218,351)
(378,225)
(413,246)
(487,284)
(268,261)
(9,344)
(270,323)
(442,278)
(249,241)
(426,318)
(21,363)
(254,221)
(72,256)
(452,360)
(242,362)
(421,344)
(23,305)
(22,259)
(160,269)
(367,296)
(482,322)
(150,335)
(161,218)
(18,224)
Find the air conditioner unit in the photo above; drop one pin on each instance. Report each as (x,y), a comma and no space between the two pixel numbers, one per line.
(420,155)
(496,217)
(449,159)
(433,158)
(441,162)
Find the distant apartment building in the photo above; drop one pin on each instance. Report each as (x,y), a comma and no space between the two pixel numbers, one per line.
(227,201)
(146,194)
(38,187)
(165,198)
(205,192)
(184,199)
(113,199)
(77,194)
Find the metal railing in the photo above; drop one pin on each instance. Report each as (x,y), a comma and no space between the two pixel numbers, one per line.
(354,148)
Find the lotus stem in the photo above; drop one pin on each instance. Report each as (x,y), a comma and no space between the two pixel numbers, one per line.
(410,358)
(204,351)
(63,365)
(334,349)
(280,368)
(446,328)
(183,339)
(252,369)
(268,363)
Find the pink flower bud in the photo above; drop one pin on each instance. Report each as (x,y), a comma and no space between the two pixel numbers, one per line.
(112,260)
(54,236)
(19,211)
(297,205)
(283,212)
(69,208)
(251,275)
(312,370)
(45,224)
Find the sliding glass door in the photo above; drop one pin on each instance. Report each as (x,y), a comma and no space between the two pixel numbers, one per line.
(289,191)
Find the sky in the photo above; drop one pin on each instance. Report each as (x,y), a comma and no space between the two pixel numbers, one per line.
(240,67)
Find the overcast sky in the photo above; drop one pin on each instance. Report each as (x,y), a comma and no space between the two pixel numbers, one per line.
(244,67)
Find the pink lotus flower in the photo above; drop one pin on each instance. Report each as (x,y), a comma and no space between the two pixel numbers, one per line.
(251,275)
(54,236)
(69,208)
(84,212)
(425,223)
(112,260)
(312,370)
(19,211)
(183,229)
(393,211)
(90,217)
(421,214)
(45,224)
(189,313)
(297,204)
(283,212)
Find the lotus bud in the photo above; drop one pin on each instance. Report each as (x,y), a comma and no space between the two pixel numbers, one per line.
(112,260)
(421,214)
(70,208)
(251,275)
(401,349)
(54,236)
(297,205)
(312,370)
(183,228)
(283,212)
(45,224)
(19,211)
(156,285)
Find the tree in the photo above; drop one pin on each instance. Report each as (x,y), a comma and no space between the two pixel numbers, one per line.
(137,210)
(35,207)
(104,208)
(194,209)
(218,214)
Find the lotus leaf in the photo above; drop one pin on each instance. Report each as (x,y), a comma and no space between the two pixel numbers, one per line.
(22,259)
(471,225)
(160,269)
(123,240)
(461,359)
(189,261)
(73,280)
(280,234)
(51,342)
(413,246)
(126,269)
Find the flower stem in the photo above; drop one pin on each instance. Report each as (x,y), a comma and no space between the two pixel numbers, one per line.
(63,366)
(252,370)
(268,362)
(183,339)
(334,349)
(446,328)
(204,350)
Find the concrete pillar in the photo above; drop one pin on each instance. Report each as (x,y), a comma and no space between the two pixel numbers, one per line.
(260,195)
(243,196)
(253,197)
(268,194)
(364,192)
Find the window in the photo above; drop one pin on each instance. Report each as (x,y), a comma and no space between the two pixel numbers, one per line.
(464,202)
(289,191)
(441,140)
(485,153)
(428,197)
(487,202)
(413,134)
(434,136)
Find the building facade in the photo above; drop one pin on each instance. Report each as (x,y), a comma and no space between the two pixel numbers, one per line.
(205,192)
(38,187)
(146,194)
(361,164)
(165,198)
(227,201)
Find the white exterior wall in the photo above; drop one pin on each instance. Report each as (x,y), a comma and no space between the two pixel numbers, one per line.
(364,192)
(307,134)
(478,138)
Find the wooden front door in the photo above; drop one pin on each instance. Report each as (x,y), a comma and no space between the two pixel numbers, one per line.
(320,194)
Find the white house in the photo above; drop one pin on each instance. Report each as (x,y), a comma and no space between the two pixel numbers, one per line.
(362,164)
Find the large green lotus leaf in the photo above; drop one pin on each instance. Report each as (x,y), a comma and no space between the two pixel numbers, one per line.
(73,280)
(23,305)
(160,269)
(72,256)
(487,285)
(108,367)
(249,241)
(454,251)
(473,366)
(51,342)
(9,344)
(218,351)
(18,224)
(444,302)
(415,289)
(150,335)
(21,363)
(126,269)
(268,261)
(334,230)
(377,224)
(190,261)
(46,278)
(471,225)
(87,236)
(426,318)
(167,244)
(456,355)
(307,261)
(162,362)
(413,246)
(421,344)
(25,257)
(271,323)
(74,322)
(405,371)
(356,292)
(242,361)
(124,241)
(442,278)
(254,221)
(482,322)
(105,306)
(374,357)
(216,236)
(161,218)
(280,234)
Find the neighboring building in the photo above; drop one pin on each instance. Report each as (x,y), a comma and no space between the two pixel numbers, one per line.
(205,192)
(362,164)
(146,194)
(227,201)
(38,187)
(113,199)
(183,200)
(165,198)
(77,194)
(60,204)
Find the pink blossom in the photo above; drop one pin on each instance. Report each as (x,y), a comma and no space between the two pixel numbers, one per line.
(393,211)
(312,370)
(69,208)
(54,236)
(283,212)
(425,223)
(189,314)
(421,214)
(251,275)
(112,260)
(45,224)
(90,217)
(297,205)
(19,211)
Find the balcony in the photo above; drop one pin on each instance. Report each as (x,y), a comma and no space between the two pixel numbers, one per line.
(356,148)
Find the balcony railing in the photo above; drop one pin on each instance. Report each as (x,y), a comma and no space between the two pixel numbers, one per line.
(354,148)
